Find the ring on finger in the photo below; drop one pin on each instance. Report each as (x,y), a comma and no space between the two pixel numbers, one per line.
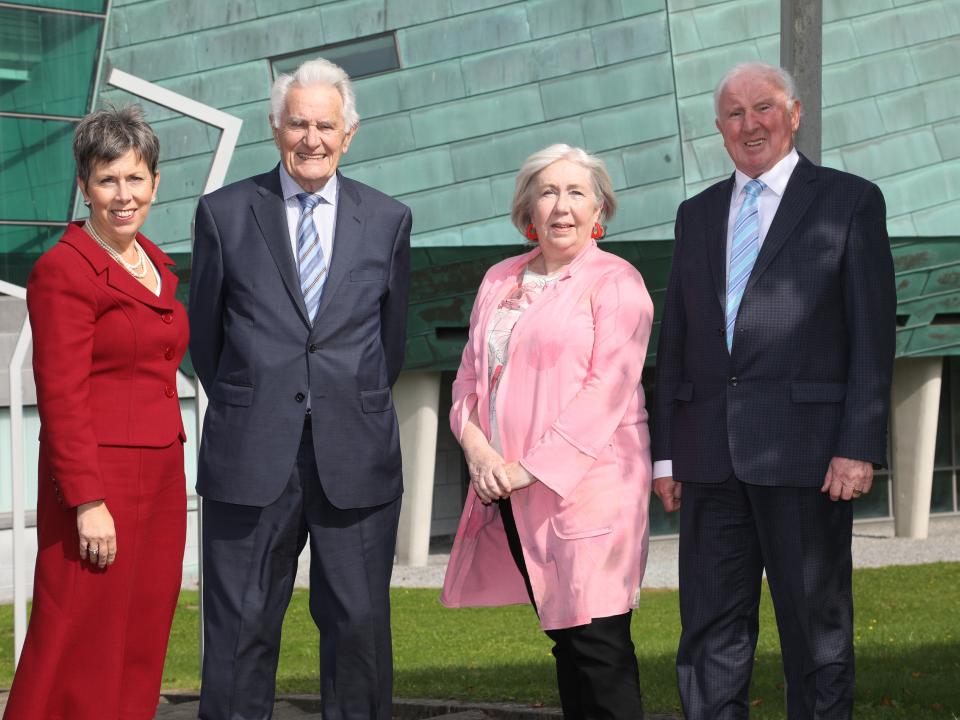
(93,550)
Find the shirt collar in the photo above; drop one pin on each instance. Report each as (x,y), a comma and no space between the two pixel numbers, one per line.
(776,178)
(291,189)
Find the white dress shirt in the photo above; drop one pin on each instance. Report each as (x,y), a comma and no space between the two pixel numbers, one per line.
(324,214)
(775,179)
(324,217)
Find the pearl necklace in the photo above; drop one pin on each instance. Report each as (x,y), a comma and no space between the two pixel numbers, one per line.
(137,269)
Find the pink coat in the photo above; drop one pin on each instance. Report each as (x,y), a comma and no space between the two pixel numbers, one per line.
(571,409)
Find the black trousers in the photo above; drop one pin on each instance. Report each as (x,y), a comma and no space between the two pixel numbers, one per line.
(729,533)
(597,673)
(250,563)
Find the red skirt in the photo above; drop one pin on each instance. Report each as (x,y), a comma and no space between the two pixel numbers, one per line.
(97,639)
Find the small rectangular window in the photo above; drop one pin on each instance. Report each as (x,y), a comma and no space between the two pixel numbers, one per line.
(360,58)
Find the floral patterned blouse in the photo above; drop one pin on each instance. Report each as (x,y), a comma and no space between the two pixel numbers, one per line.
(501,327)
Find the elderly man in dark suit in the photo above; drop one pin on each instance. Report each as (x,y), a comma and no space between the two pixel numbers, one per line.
(298,302)
(774,367)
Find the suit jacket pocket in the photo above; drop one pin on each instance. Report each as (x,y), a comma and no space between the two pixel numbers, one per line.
(375,401)
(366,275)
(817,392)
(230,394)
(684,392)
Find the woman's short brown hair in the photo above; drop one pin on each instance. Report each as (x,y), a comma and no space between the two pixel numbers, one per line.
(105,135)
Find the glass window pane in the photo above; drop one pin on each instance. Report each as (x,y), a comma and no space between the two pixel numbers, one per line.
(876,503)
(942,498)
(47,62)
(943,456)
(36,163)
(359,58)
(951,374)
(95,6)
(20,246)
(662,522)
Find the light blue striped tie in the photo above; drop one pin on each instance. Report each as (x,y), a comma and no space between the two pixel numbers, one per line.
(313,267)
(743,253)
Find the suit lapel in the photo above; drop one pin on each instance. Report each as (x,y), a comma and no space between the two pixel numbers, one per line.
(717,222)
(168,281)
(117,277)
(347,242)
(799,194)
(271,215)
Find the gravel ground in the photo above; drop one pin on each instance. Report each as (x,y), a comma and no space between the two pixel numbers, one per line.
(873,546)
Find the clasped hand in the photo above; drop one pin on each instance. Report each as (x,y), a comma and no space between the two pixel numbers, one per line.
(492,478)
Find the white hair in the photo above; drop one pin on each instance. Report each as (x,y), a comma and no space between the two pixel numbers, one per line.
(315,72)
(781,77)
(522,205)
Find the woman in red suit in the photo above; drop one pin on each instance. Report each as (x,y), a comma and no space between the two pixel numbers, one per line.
(108,336)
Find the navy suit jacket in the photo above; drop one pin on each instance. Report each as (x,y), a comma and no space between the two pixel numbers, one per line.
(809,374)
(258,357)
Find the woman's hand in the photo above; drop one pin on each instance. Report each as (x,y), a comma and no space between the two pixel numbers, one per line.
(488,474)
(519,477)
(98,537)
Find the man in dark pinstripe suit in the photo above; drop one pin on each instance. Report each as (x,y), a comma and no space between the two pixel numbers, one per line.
(773,382)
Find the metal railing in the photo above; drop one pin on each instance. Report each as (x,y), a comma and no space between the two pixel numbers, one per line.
(17,467)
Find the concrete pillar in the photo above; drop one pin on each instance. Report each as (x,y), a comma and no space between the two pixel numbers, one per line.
(416,397)
(916,406)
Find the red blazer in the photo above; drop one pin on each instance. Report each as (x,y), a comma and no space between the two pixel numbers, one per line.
(105,358)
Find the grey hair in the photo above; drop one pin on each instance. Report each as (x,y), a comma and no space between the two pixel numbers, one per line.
(520,209)
(107,134)
(780,76)
(315,72)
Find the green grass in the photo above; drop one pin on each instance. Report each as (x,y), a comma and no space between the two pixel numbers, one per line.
(907,642)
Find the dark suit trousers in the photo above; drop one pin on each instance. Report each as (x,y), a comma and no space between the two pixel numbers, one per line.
(597,673)
(250,563)
(729,533)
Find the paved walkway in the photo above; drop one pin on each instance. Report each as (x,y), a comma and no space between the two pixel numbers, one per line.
(307,707)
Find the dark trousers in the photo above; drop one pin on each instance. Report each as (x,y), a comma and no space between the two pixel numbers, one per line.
(597,673)
(730,533)
(250,563)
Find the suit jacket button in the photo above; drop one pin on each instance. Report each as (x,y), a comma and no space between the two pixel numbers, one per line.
(299,397)
(169,391)
(314,347)
(734,380)
(167,318)
(168,353)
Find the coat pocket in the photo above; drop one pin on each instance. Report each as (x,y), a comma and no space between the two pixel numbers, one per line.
(375,401)
(241,395)
(817,392)
(566,530)
(366,275)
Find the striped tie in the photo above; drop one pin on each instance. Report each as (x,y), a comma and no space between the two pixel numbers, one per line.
(743,253)
(313,268)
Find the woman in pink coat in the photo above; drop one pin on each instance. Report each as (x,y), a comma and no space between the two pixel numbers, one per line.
(549,410)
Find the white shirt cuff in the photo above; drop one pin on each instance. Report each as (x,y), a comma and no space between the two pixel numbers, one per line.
(662,468)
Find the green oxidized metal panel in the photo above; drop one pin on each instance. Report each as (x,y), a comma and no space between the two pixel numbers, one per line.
(928,294)
(445,280)
(444,283)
